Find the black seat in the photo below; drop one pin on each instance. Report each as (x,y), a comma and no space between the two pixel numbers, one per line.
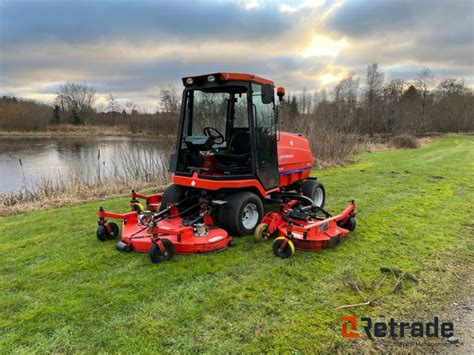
(236,160)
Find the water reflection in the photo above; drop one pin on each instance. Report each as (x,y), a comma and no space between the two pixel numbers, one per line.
(54,159)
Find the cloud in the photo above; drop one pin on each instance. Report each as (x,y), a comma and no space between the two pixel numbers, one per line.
(430,32)
(131,48)
(90,21)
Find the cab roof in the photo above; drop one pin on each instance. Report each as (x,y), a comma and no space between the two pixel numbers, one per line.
(223,77)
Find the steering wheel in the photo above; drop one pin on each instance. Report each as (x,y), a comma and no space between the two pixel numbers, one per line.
(217,136)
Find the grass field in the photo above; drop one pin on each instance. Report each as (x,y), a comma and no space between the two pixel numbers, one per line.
(62,290)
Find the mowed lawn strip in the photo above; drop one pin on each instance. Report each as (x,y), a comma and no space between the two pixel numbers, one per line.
(62,290)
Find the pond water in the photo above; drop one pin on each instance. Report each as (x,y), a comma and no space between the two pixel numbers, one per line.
(30,162)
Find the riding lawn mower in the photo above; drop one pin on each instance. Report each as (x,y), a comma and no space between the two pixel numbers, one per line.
(230,160)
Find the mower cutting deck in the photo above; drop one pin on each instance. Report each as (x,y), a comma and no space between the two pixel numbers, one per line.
(297,225)
(167,232)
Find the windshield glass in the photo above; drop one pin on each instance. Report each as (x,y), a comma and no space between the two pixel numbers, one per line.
(220,108)
(210,110)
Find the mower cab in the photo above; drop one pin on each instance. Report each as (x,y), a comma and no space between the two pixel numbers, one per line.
(227,133)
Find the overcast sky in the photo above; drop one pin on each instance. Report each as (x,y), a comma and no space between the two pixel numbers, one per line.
(131,48)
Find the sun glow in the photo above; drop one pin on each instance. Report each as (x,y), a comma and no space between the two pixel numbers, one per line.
(249,5)
(294,7)
(331,78)
(323,46)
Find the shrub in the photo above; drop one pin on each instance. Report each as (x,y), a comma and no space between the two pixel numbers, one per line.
(401,142)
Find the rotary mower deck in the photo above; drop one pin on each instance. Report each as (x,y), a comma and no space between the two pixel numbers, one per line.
(167,232)
(181,228)
(298,226)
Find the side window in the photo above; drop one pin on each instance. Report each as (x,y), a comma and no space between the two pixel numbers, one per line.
(241,119)
(264,112)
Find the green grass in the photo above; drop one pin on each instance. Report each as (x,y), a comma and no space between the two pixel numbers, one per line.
(61,290)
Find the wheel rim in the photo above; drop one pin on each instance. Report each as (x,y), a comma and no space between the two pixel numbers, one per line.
(318,197)
(250,216)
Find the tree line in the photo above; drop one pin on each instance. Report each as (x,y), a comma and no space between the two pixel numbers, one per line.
(419,106)
(371,106)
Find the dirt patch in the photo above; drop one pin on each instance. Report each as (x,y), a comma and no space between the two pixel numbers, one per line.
(462,314)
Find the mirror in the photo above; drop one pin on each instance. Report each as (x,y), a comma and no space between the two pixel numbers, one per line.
(267,93)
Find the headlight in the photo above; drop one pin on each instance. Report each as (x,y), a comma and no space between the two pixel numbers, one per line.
(189,81)
(211,78)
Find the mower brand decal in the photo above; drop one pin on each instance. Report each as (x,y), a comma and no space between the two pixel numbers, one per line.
(286,156)
(215,239)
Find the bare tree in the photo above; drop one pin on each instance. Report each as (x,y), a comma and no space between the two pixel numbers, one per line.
(169,99)
(454,103)
(131,107)
(424,82)
(305,102)
(77,99)
(373,91)
(345,102)
(392,96)
(113,107)
(112,104)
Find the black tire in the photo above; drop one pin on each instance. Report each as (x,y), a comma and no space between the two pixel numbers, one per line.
(138,207)
(173,193)
(157,256)
(287,251)
(232,214)
(315,191)
(350,224)
(103,233)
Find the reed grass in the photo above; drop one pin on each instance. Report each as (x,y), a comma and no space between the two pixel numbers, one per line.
(134,170)
(146,168)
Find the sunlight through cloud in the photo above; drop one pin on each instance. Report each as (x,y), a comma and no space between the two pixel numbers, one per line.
(323,46)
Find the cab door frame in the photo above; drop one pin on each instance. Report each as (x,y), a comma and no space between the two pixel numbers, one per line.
(264,166)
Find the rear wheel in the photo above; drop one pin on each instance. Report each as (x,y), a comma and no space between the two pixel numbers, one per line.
(173,193)
(241,214)
(315,191)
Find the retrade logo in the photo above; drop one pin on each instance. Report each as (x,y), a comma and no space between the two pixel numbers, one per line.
(346,320)
(431,329)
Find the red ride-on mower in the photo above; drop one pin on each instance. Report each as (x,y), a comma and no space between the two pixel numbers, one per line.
(298,225)
(230,159)
(166,232)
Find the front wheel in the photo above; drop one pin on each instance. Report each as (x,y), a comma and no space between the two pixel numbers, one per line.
(350,224)
(285,252)
(157,256)
(241,214)
(261,232)
(103,234)
(315,191)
